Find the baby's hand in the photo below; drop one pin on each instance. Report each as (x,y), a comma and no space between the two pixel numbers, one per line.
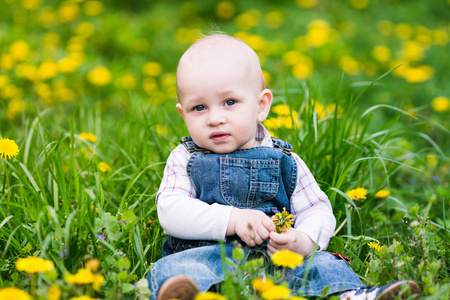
(252,226)
(293,240)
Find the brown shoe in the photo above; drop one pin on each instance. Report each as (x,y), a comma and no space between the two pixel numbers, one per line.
(178,287)
(394,291)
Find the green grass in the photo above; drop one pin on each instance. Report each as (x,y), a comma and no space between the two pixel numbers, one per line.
(56,203)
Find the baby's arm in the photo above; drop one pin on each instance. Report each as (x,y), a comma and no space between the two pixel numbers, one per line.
(185,217)
(314,219)
(179,212)
(252,226)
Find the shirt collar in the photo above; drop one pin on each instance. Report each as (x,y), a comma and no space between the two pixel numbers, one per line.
(263,136)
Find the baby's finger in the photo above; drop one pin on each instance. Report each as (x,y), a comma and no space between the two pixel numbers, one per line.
(263,232)
(268,224)
(271,249)
(277,238)
(257,239)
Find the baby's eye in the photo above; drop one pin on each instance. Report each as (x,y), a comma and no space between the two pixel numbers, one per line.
(230,102)
(199,108)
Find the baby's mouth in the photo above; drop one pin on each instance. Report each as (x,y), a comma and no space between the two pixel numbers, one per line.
(219,136)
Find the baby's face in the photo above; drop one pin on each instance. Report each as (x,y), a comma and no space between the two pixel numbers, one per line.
(220,102)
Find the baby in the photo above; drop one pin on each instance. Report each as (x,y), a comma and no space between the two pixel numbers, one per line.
(225,181)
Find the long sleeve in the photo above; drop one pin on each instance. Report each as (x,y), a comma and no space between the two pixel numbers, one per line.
(318,222)
(311,208)
(182,215)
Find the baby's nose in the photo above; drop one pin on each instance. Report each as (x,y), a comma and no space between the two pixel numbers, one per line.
(215,117)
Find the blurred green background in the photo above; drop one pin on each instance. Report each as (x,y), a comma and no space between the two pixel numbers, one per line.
(87,90)
(119,53)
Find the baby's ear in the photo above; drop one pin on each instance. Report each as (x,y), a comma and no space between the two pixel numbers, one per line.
(180,109)
(264,104)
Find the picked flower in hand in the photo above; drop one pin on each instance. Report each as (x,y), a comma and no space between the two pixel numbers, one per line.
(283,221)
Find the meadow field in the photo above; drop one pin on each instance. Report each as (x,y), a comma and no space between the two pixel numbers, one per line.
(88,119)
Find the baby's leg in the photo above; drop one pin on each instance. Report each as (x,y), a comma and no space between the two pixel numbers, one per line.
(203,265)
(325,270)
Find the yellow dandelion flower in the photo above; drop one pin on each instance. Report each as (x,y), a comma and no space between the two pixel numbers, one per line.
(13,293)
(418,74)
(357,194)
(292,57)
(412,51)
(385,27)
(33,265)
(93,8)
(287,258)
(303,69)
(161,129)
(225,10)
(68,64)
(31,4)
(104,167)
(95,209)
(403,30)
(46,18)
(152,68)
(100,76)
(15,107)
(432,160)
(85,29)
(149,85)
(306,3)
(374,245)
(274,19)
(283,220)
(83,276)
(261,285)
(97,282)
(19,50)
(209,296)
(281,110)
(26,70)
(440,37)
(297,298)
(382,194)
(90,137)
(68,13)
(6,62)
(248,20)
(8,148)
(319,33)
(126,82)
(349,65)
(82,298)
(381,53)
(47,70)
(93,264)
(441,104)
(256,42)
(4,80)
(359,4)
(54,293)
(276,292)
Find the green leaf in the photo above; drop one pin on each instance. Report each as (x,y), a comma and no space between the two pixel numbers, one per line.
(129,216)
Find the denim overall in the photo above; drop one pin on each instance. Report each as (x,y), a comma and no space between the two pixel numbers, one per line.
(261,178)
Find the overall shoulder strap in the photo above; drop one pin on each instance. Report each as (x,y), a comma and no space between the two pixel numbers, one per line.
(283,145)
(189,144)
